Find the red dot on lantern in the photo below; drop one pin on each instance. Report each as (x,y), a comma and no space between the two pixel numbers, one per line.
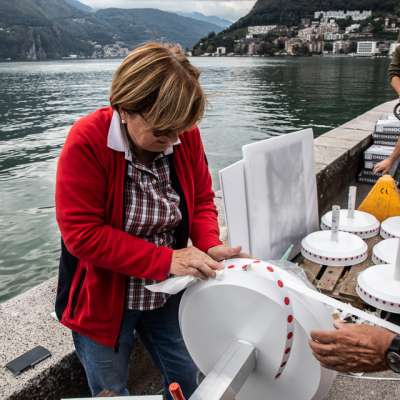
(280,283)
(270,269)
(290,319)
(287,301)
(283,364)
(287,350)
(231,266)
(290,335)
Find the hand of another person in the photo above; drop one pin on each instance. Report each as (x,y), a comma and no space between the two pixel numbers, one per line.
(352,348)
(383,166)
(192,261)
(223,252)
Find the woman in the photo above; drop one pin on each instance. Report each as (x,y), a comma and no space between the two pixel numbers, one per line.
(132,187)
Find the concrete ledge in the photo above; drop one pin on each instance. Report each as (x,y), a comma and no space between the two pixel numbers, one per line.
(26,322)
(338,153)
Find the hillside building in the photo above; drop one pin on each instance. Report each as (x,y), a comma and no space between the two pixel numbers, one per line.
(261,30)
(221,51)
(341,14)
(266,29)
(341,47)
(367,49)
(353,28)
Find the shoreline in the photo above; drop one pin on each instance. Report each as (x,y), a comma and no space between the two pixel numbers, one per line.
(203,56)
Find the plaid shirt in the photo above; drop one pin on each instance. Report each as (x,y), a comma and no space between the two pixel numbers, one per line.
(151,213)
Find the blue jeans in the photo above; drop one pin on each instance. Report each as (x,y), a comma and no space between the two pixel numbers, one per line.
(159,331)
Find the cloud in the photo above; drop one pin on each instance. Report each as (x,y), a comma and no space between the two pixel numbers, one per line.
(232,10)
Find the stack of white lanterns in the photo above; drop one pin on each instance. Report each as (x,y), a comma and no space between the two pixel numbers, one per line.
(385,252)
(390,228)
(343,245)
(359,223)
(379,285)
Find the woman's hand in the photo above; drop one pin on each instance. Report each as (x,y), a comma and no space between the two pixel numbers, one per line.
(222,252)
(383,166)
(192,261)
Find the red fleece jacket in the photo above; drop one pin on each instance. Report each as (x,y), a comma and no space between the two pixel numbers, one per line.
(90,209)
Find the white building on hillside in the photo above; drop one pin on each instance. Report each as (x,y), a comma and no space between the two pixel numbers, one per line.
(329,36)
(261,30)
(328,27)
(341,46)
(352,28)
(307,33)
(367,49)
(221,51)
(341,14)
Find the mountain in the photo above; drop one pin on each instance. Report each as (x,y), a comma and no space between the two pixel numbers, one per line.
(221,22)
(51,29)
(134,26)
(290,12)
(80,6)
(40,29)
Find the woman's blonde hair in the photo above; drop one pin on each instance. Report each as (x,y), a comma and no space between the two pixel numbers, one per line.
(157,81)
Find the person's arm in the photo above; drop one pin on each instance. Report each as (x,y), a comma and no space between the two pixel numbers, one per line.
(352,347)
(385,165)
(395,82)
(394,71)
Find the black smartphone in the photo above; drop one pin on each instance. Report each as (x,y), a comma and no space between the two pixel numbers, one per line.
(28,360)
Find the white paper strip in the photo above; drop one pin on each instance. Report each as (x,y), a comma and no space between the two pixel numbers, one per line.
(312,294)
(176,284)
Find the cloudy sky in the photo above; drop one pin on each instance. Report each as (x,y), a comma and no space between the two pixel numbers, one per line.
(232,10)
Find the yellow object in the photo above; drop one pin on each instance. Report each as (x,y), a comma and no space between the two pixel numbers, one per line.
(383,200)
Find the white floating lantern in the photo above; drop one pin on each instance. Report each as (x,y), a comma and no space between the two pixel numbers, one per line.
(385,252)
(334,248)
(379,285)
(353,221)
(390,228)
(250,307)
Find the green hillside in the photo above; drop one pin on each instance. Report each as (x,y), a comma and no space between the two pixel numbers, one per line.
(290,12)
(51,29)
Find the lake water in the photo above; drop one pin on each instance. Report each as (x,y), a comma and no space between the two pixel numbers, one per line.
(249,99)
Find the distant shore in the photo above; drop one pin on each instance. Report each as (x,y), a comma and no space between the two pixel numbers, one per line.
(202,56)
